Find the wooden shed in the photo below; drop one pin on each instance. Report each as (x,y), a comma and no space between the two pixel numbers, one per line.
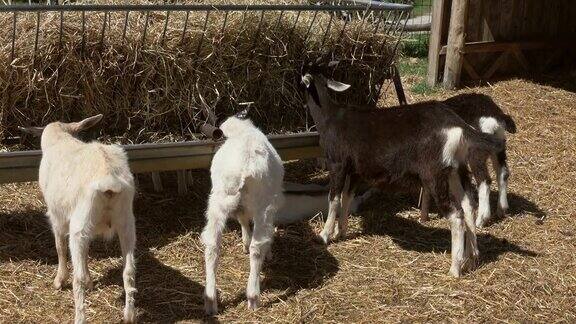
(483,39)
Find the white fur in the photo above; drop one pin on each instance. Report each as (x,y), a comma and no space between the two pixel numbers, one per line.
(302,206)
(483,204)
(471,251)
(490,125)
(247,176)
(501,176)
(453,147)
(89,190)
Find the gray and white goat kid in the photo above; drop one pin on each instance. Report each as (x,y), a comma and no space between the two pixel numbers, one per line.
(89,190)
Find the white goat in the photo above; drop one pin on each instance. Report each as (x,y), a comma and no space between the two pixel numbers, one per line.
(246,175)
(89,190)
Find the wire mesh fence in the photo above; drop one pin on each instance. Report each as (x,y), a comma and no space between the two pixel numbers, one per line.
(415,44)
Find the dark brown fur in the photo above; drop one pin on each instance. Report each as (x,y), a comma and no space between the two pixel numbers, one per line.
(389,146)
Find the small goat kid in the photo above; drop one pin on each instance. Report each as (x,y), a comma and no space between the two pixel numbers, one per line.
(421,143)
(247,175)
(89,190)
(482,113)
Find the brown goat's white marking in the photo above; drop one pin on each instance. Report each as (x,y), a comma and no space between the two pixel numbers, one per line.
(453,147)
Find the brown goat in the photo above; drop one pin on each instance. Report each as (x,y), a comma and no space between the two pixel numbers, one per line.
(423,143)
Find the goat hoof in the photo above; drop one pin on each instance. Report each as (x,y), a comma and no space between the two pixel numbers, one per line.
(340,235)
(324,238)
(59,282)
(129,316)
(480,222)
(210,306)
(500,212)
(89,284)
(253,303)
(455,272)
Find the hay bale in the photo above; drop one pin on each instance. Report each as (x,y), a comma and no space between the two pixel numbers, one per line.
(149,85)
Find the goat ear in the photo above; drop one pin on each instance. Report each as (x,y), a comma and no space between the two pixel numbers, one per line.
(333,63)
(243,114)
(35,131)
(337,86)
(86,123)
(307,80)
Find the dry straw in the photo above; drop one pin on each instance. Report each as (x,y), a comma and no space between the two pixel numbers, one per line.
(149,78)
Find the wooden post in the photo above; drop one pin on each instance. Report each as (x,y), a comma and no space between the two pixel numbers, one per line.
(435,42)
(456,38)
(157,182)
(182,186)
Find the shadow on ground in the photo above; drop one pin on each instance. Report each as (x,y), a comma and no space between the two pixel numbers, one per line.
(298,262)
(413,235)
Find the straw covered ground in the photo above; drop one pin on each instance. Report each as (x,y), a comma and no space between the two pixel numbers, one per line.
(151,78)
(391,269)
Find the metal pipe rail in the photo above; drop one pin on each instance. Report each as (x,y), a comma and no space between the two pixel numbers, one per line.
(23,166)
(365,5)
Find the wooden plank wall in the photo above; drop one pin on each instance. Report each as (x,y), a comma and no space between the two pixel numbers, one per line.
(509,20)
(516,21)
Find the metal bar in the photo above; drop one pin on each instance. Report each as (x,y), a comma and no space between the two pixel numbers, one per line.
(37,34)
(83,31)
(23,166)
(376,6)
(125,26)
(224,23)
(342,32)
(359,30)
(295,23)
(203,32)
(279,19)
(61,28)
(165,27)
(13,36)
(327,30)
(185,26)
(258,30)
(145,28)
(310,27)
(103,30)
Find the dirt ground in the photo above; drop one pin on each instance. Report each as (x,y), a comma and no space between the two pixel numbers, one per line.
(390,269)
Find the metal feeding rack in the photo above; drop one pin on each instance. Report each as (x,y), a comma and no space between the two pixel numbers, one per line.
(344,19)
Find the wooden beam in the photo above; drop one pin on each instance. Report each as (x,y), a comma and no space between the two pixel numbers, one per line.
(435,42)
(496,65)
(456,39)
(490,47)
(521,58)
(470,69)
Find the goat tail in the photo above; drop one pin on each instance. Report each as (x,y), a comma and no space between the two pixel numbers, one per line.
(108,185)
(509,123)
(484,141)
